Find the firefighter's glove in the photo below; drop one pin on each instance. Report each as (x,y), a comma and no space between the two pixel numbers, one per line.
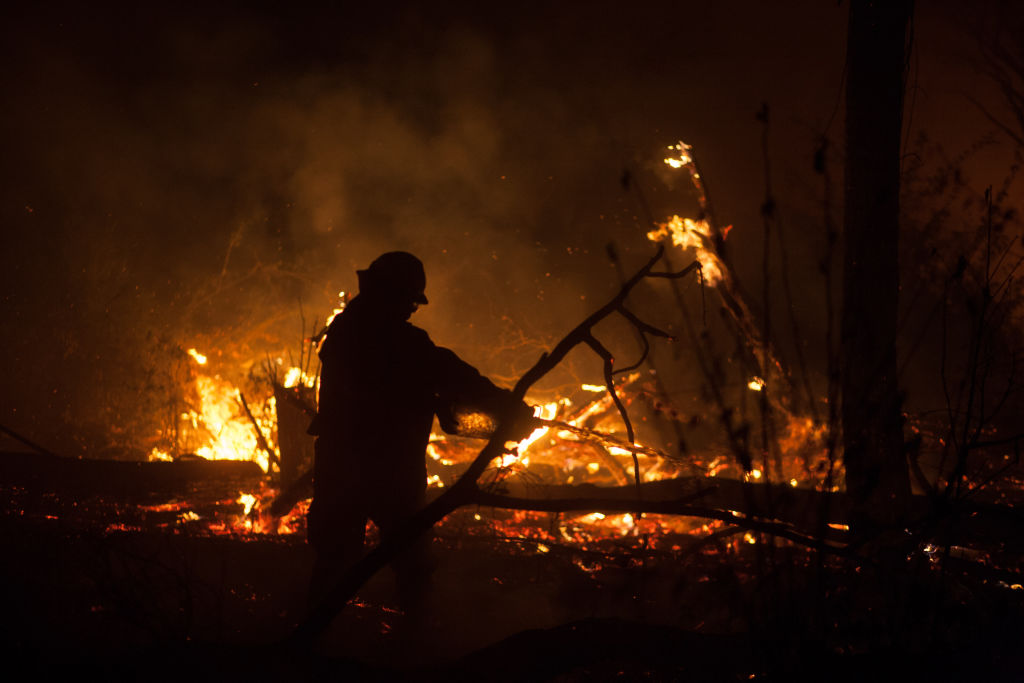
(521,420)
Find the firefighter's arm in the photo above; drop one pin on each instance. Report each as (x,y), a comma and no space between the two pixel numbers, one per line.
(462,390)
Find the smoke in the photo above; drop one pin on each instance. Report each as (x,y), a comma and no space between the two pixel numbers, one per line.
(180,184)
(212,177)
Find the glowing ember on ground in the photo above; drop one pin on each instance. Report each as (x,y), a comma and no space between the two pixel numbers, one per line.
(248,500)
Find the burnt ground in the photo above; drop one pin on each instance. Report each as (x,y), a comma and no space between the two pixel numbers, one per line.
(86,594)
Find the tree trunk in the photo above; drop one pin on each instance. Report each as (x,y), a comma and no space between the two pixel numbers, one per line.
(876,472)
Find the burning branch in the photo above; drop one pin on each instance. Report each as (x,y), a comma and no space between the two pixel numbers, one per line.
(465,491)
(583,334)
(708,239)
(261,439)
(602,438)
(787,512)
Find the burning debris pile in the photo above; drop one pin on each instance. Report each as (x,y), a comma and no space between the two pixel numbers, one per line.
(584,439)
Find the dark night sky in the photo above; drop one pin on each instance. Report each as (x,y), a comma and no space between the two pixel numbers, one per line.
(183,175)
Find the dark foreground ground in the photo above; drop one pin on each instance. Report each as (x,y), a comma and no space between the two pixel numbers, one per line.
(592,650)
(85,595)
(143,606)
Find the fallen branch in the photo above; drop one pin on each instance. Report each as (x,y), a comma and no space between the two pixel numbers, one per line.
(302,487)
(681,506)
(797,507)
(602,438)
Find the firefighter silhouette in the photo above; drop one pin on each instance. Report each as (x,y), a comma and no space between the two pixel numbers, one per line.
(382,382)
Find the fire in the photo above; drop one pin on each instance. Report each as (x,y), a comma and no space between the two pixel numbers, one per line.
(564,452)
(296,377)
(683,160)
(582,443)
(198,357)
(685,232)
(222,420)
(803,439)
(216,422)
(160,455)
(545,412)
(688,233)
(560,453)
(342,302)
(568,446)
(248,500)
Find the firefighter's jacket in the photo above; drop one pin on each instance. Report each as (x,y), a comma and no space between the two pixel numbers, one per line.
(382,381)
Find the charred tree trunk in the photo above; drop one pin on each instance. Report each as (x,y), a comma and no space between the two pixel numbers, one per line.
(876,471)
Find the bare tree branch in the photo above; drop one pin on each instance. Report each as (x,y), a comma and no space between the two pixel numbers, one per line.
(609,379)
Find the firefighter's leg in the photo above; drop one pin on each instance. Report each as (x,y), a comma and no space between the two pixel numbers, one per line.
(337,535)
(414,570)
(414,567)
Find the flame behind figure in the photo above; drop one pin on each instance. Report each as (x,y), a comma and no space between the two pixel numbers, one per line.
(216,425)
(581,445)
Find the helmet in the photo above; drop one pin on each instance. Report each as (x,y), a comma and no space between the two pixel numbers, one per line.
(396,274)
